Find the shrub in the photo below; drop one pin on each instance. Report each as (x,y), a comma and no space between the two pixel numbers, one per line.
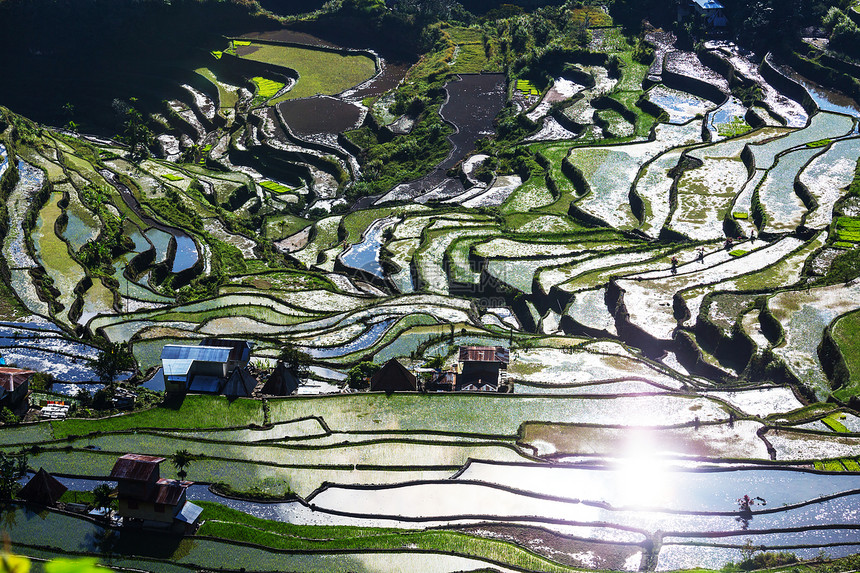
(359,376)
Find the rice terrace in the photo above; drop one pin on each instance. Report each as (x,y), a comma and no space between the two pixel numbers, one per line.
(420,285)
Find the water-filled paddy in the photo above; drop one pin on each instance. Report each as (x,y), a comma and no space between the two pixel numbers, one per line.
(681,106)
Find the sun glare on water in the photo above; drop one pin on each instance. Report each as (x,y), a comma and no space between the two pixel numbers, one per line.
(645,478)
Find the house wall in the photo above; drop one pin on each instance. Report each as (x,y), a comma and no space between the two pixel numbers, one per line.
(135,489)
(487,372)
(208,369)
(175,385)
(146,510)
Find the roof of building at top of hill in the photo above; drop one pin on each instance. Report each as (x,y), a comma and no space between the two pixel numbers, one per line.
(484,354)
(201,353)
(240,350)
(708,4)
(136,467)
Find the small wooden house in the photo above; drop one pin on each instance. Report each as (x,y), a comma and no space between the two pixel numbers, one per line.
(14,385)
(481,367)
(711,11)
(148,500)
(393,377)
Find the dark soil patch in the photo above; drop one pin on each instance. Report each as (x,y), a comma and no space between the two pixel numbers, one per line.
(560,548)
(319,115)
(261,284)
(473,103)
(292,37)
(392,74)
(243,51)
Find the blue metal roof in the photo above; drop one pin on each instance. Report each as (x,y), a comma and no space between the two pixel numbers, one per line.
(709,4)
(176,367)
(189,512)
(201,353)
(205,384)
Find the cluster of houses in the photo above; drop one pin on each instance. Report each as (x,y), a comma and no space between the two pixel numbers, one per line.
(219,366)
(478,369)
(148,501)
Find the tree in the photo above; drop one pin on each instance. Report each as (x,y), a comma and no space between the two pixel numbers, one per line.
(102,399)
(359,376)
(103,497)
(136,133)
(180,460)
(111,361)
(41,381)
(12,468)
(8,417)
(296,361)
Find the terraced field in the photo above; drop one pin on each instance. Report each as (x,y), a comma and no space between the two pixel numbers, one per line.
(671,283)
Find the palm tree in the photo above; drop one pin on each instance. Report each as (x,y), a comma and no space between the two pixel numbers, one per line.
(103,498)
(180,460)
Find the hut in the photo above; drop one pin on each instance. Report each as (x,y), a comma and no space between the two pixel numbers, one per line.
(42,489)
(240,384)
(393,377)
(282,382)
(14,385)
(482,366)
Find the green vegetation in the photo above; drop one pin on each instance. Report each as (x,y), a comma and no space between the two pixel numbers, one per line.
(737,252)
(526,87)
(219,521)
(740,215)
(320,71)
(848,229)
(846,334)
(189,412)
(274,186)
(590,16)
(736,127)
(266,88)
(834,424)
(819,143)
(474,50)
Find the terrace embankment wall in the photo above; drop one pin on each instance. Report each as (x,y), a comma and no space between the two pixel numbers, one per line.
(719,65)
(786,85)
(733,350)
(694,86)
(832,361)
(693,359)
(341,153)
(273,164)
(8,181)
(628,331)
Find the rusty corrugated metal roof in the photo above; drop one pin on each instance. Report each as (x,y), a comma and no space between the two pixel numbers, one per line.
(136,467)
(484,354)
(169,491)
(12,378)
